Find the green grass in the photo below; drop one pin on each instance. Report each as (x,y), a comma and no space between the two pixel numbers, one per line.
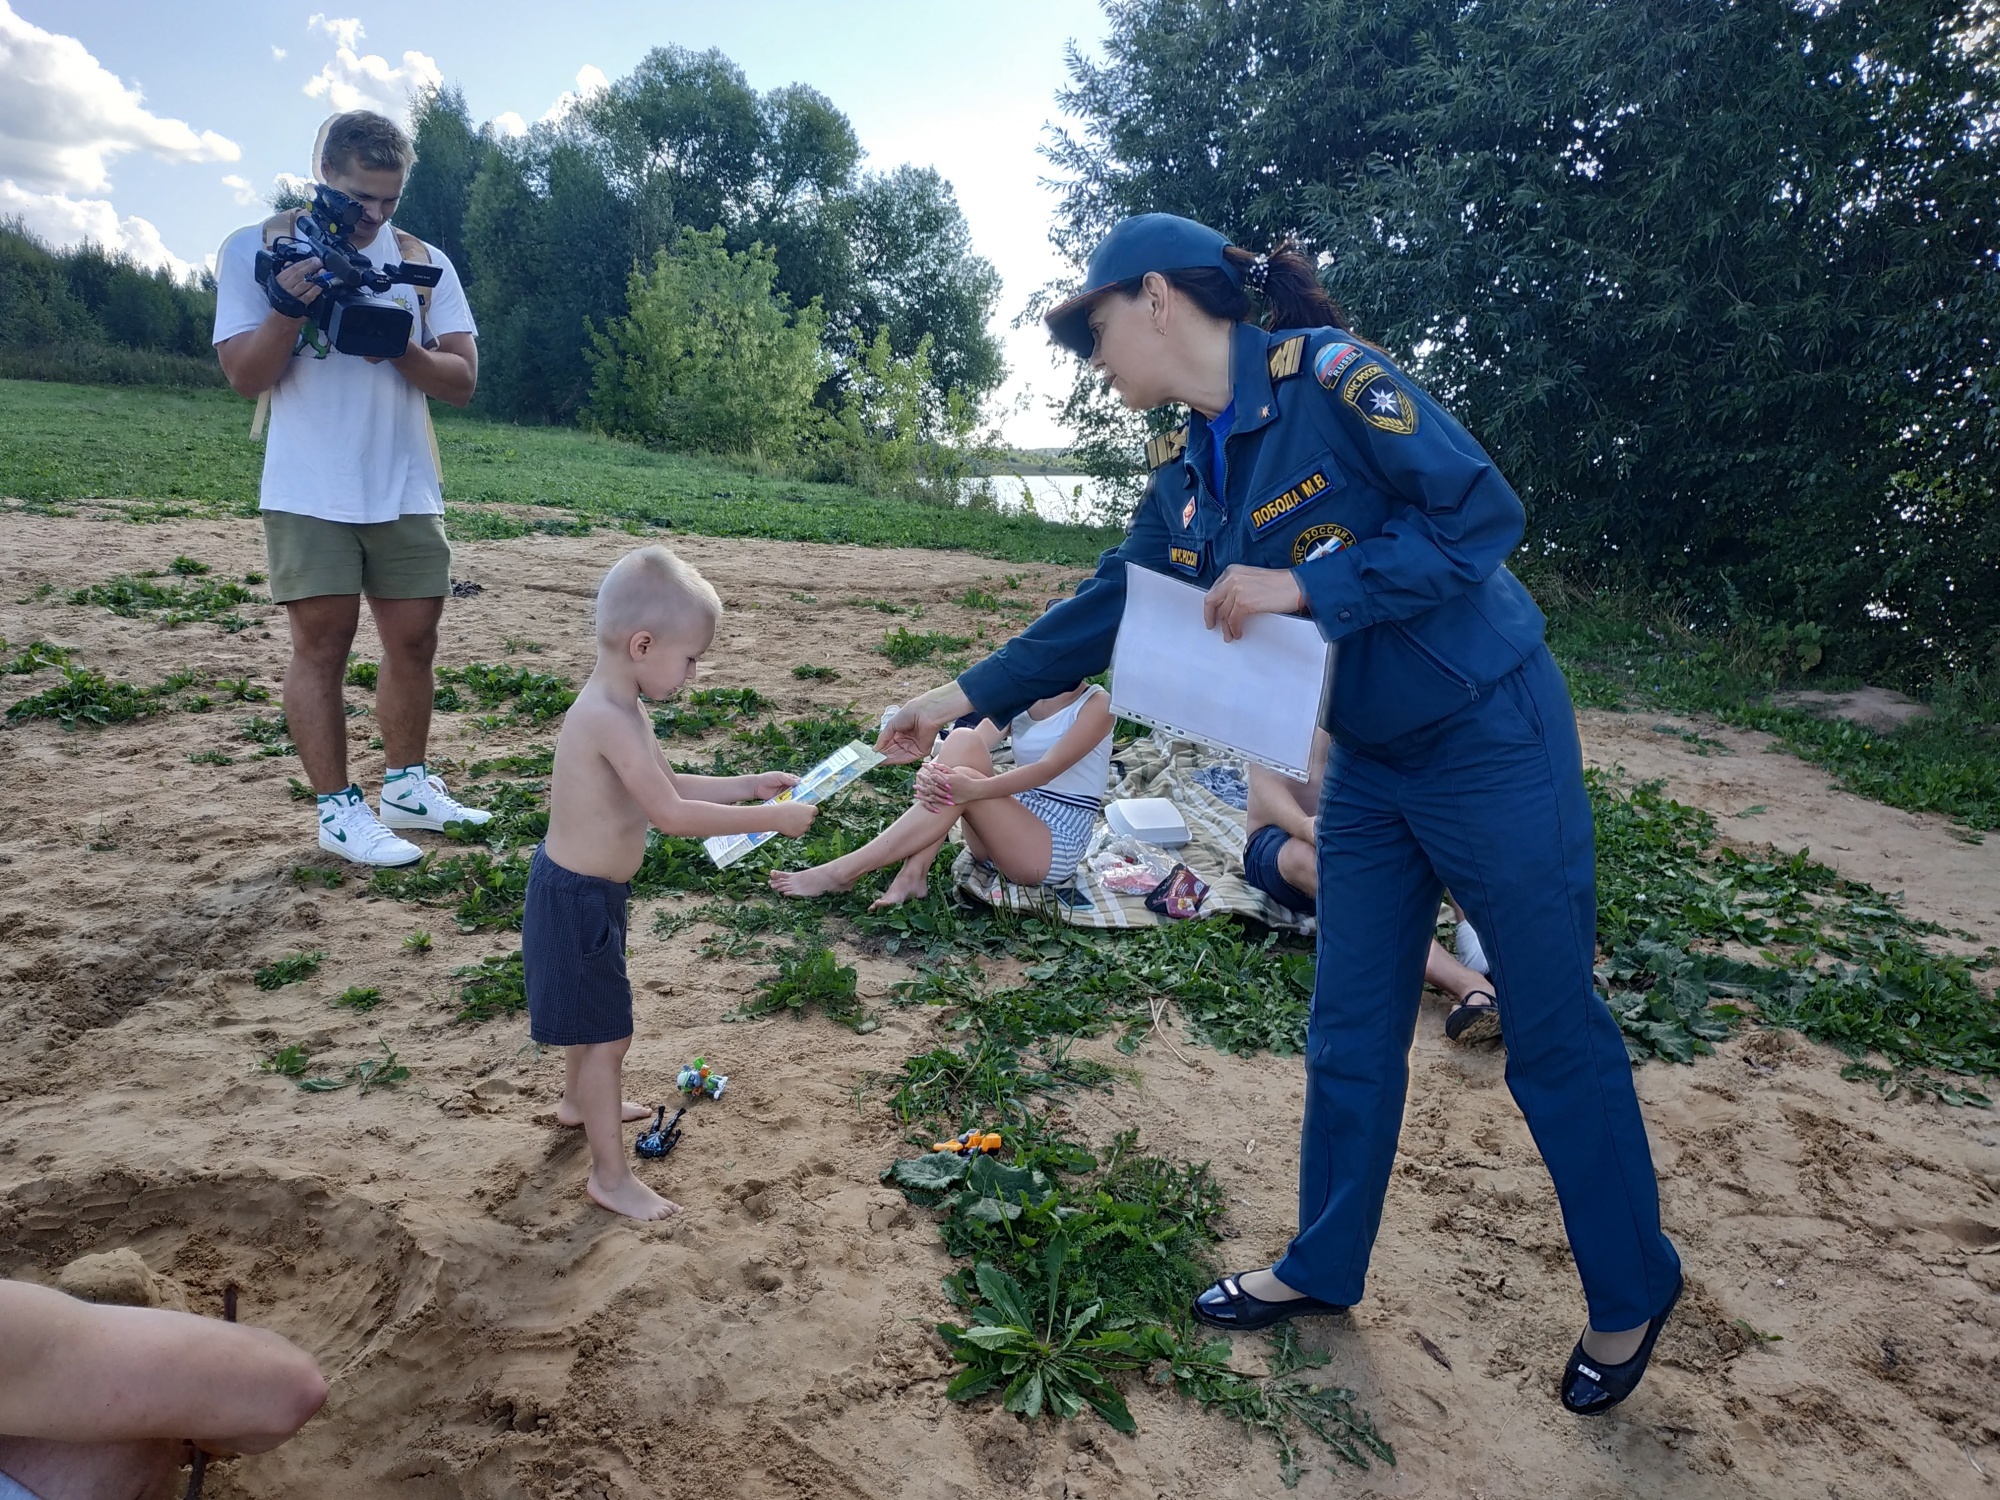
(906,648)
(496,986)
(1622,653)
(184,453)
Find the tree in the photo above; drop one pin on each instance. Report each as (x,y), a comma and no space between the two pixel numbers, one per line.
(918,279)
(450,152)
(710,358)
(1715,282)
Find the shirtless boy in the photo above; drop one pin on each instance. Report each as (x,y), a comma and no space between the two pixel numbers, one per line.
(655,618)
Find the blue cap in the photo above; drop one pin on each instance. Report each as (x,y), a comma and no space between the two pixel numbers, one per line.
(1142,243)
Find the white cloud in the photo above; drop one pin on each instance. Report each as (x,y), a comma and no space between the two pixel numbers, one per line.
(590,80)
(278,54)
(63,222)
(245,191)
(63,115)
(366,80)
(508,123)
(289,183)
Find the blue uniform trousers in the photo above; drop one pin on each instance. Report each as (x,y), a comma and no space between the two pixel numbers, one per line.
(1489,802)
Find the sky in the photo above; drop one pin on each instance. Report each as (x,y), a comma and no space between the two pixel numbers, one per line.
(158,126)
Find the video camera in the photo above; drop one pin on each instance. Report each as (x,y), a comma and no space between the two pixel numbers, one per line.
(351,309)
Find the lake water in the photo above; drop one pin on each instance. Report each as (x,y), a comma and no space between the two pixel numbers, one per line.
(1057,497)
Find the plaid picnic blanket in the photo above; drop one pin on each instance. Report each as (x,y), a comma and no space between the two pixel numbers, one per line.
(1156,767)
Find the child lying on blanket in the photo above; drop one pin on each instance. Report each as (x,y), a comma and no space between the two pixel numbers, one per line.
(1030,823)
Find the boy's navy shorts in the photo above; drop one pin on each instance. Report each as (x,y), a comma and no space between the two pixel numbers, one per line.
(1260,868)
(573,952)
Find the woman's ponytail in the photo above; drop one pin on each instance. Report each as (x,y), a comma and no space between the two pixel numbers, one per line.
(1289,287)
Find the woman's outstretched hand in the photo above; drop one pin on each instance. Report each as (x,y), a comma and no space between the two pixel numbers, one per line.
(1242,592)
(913,728)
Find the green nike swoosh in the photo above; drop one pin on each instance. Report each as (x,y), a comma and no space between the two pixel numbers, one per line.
(420,810)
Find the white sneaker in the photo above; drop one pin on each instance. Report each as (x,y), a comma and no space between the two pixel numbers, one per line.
(349,829)
(1470,953)
(420,801)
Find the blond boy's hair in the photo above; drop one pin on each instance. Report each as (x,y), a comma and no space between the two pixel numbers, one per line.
(652,589)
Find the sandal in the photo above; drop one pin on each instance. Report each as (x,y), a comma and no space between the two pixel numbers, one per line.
(1227,1305)
(1590,1388)
(1469,1023)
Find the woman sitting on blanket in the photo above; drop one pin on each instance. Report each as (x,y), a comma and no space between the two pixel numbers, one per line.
(1030,823)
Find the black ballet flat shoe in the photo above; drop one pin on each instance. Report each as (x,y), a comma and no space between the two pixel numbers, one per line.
(1590,1388)
(1227,1305)
(1469,1023)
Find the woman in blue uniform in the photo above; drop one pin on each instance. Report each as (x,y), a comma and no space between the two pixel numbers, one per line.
(1314,477)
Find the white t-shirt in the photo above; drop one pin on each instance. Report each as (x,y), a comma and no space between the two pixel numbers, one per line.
(347,440)
(1034,738)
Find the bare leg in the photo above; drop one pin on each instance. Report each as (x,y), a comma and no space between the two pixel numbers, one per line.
(915,832)
(409,631)
(1443,972)
(912,882)
(92,1471)
(567,1113)
(322,632)
(592,1078)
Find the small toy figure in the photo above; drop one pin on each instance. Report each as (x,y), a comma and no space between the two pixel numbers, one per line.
(658,1138)
(695,1080)
(972,1143)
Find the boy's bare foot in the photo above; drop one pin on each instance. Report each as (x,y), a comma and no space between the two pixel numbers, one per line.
(818,881)
(568,1114)
(633,1199)
(909,885)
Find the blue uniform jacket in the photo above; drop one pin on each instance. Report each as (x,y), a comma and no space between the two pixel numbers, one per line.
(1393,520)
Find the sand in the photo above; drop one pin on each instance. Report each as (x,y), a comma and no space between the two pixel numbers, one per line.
(488,1332)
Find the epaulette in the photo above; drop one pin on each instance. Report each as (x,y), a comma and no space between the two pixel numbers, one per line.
(1167,447)
(1285,358)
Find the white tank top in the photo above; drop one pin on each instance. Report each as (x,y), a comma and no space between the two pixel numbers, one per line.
(1034,738)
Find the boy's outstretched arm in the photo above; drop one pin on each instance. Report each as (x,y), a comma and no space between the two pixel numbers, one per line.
(637,760)
(74,1372)
(756,787)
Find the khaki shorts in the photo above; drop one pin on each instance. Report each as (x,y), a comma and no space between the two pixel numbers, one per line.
(407,558)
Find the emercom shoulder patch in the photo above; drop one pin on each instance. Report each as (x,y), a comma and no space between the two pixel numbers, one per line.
(1285,358)
(1167,447)
(1379,400)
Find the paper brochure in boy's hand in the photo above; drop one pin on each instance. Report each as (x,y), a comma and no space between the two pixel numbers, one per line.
(849,763)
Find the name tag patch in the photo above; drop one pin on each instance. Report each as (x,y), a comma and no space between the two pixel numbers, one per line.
(1271,512)
(1185,557)
(1331,360)
(1318,541)
(1380,401)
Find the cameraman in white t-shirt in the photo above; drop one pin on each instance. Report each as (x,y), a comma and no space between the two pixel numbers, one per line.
(350,495)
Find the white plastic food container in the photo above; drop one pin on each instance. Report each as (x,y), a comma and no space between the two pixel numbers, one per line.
(1155,820)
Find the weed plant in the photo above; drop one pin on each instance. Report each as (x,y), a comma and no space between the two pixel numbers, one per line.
(806,671)
(537,697)
(34,657)
(210,757)
(703,710)
(363,998)
(87,698)
(211,601)
(906,648)
(810,976)
(363,674)
(1079,1279)
(280,972)
(496,986)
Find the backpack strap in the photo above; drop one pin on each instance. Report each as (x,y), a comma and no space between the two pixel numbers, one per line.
(277,227)
(412,249)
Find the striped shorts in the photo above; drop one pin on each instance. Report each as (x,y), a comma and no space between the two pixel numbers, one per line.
(1070,821)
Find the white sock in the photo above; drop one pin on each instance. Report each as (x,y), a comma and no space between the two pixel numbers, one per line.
(395,773)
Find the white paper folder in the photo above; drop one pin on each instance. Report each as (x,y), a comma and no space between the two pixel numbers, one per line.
(1259,697)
